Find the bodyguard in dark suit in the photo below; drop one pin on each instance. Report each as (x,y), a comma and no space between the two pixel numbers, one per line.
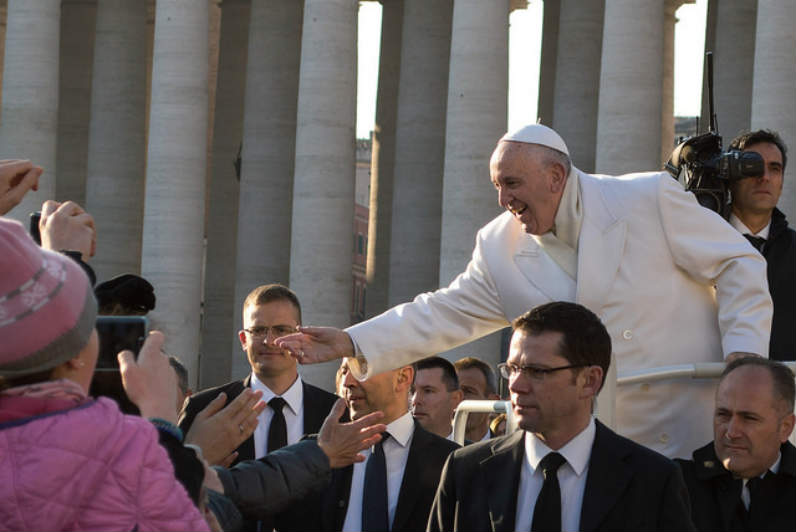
(564,470)
(746,478)
(294,407)
(392,490)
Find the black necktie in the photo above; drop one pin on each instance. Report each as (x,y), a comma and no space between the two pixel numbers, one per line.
(756,241)
(375,515)
(547,512)
(277,432)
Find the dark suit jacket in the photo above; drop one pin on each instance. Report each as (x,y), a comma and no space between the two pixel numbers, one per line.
(628,487)
(317,404)
(715,494)
(326,511)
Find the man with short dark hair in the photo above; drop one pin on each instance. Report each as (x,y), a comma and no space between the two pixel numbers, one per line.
(435,395)
(755,215)
(564,470)
(392,490)
(477,381)
(294,407)
(745,479)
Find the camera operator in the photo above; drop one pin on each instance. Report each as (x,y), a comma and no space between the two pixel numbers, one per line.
(755,214)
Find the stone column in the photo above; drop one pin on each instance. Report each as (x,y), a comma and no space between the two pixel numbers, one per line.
(628,126)
(667,81)
(175,174)
(547,63)
(733,61)
(382,159)
(774,92)
(222,202)
(269,129)
(77,49)
(577,80)
(29,124)
(476,119)
(323,189)
(419,149)
(117,150)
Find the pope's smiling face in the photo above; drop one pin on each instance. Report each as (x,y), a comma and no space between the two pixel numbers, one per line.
(529,184)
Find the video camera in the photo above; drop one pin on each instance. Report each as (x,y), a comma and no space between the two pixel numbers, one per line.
(704,169)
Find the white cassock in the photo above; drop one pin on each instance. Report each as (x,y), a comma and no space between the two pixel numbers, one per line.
(672,281)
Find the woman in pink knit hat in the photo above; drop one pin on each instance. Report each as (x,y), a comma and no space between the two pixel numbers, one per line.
(69,461)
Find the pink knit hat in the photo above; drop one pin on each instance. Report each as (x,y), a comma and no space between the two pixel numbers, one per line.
(47,307)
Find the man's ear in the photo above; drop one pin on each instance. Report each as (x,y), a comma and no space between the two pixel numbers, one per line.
(786,427)
(592,378)
(458,396)
(558,177)
(242,338)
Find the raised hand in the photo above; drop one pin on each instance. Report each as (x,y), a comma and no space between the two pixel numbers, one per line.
(150,381)
(219,430)
(66,226)
(342,442)
(17,176)
(317,344)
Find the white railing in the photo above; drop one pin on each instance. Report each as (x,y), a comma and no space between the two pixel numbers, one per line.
(474,406)
(607,402)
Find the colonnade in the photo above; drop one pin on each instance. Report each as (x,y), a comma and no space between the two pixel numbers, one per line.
(113,98)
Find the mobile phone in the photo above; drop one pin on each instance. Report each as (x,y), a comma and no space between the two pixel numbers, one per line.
(118,333)
(35,217)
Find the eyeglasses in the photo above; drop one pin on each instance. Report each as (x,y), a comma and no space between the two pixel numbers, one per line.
(277,331)
(510,371)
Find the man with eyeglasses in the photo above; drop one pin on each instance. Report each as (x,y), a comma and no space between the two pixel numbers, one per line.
(564,470)
(294,407)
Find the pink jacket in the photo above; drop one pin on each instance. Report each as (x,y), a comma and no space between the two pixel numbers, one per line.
(88,467)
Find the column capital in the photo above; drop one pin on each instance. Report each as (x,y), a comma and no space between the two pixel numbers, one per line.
(670,6)
(518,4)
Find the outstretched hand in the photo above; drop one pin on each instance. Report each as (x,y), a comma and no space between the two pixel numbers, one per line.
(342,442)
(219,429)
(17,176)
(317,344)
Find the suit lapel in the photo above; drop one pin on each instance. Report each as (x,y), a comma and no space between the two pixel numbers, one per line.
(541,270)
(245,449)
(600,246)
(407,497)
(311,410)
(501,474)
(606,480)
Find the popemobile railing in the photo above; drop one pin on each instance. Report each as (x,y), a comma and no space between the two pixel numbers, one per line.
(607,401)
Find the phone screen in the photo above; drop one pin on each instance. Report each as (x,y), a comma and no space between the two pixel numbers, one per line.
(117,333)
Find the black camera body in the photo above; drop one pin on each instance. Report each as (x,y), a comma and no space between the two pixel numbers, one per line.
(704,169)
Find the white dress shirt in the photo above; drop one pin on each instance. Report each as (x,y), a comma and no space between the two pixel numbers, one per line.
(293,412)
(741,227)
(571,478)
(396,453)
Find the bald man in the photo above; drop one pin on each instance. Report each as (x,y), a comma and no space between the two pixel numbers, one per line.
(671,280)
